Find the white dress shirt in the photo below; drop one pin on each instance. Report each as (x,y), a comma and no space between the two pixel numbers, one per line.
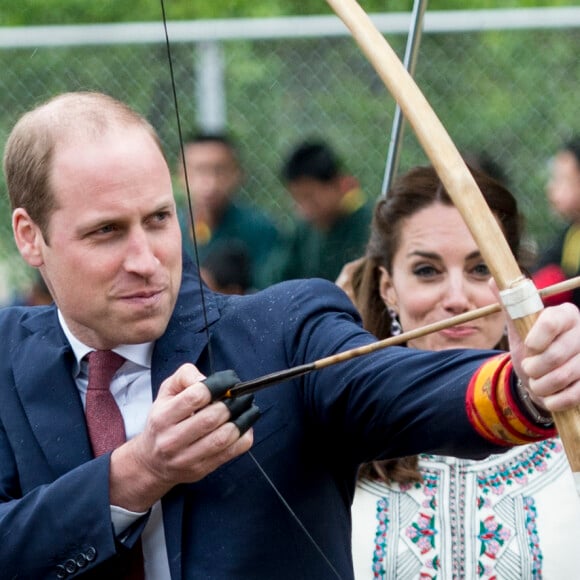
(131,388)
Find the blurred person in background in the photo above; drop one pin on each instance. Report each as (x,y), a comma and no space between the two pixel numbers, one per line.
(561,259)
(214,175)
(485,162)
(514,515)
(37,293)
(333,215)
(226,268)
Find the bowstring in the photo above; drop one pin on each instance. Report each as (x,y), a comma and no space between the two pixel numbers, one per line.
(202,291)
(186,180)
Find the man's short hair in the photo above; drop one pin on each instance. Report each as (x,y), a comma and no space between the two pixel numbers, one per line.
(34,138)
(313,159)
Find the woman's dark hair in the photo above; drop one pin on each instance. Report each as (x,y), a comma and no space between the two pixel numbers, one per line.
(415,190)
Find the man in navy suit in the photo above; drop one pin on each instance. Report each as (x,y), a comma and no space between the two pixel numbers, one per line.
(203,492)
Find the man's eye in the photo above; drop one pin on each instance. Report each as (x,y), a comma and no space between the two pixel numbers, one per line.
(105,229)
(161,216)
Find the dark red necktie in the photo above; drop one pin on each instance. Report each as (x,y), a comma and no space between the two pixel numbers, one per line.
(107,429)
(104,420)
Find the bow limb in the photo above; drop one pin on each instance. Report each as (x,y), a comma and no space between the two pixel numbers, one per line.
(460,185)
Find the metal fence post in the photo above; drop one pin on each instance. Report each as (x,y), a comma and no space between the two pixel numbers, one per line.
(211,91)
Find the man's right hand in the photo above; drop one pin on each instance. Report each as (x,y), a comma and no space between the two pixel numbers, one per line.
(186,437)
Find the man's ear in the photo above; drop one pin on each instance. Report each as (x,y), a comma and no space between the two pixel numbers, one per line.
(28,237)
(387,291)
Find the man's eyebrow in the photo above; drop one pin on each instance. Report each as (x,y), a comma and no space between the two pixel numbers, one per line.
(169,205)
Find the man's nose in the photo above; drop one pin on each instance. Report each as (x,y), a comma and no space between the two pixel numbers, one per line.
(141,258)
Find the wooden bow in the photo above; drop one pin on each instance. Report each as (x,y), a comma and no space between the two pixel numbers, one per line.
(457,180)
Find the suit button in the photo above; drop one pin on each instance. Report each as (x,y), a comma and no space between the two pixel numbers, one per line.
(90,554)
(81,561)
(61,572)
(70,566)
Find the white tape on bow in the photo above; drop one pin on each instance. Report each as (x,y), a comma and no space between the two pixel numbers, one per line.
(522,300)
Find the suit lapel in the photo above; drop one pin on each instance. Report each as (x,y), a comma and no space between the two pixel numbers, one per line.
(186,335)
(50,398)
(184,341)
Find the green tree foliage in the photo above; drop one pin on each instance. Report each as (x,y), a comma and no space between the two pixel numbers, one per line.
(35,12)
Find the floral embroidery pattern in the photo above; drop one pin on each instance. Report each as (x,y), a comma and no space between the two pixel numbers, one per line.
(492,526)
(380,550)
(531,528)
(492,533)
(534,461)
(422,532)
(493,536)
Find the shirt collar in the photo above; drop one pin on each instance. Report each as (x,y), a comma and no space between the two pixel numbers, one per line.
(136,353)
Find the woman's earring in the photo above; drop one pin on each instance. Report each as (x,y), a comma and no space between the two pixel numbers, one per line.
(395,323)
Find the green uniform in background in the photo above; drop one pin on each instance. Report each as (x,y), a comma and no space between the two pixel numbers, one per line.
(309,252)
(240,223)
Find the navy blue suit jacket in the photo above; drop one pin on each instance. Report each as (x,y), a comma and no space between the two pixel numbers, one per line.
(313,433)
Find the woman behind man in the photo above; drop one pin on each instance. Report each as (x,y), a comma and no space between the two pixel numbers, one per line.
(515,515)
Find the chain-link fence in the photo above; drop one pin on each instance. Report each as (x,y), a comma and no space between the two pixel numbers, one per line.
(509,92)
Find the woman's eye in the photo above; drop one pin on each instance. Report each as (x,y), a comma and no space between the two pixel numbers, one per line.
(425,271)
(482,271)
